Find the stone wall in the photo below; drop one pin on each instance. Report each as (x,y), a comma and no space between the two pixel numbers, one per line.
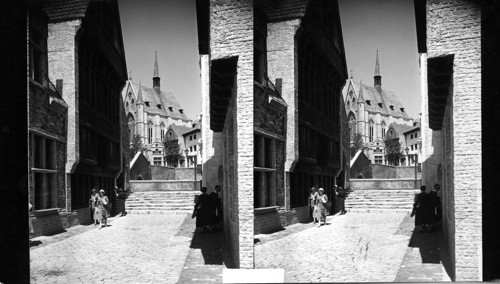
(454,27)
(234,20)
(53,221)
(275,220)
(361,184)
(163,185)
(385,172)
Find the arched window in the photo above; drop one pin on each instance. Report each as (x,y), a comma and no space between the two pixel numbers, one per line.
(371,130)
(162,131)
(384,129)
(131,127)
(150,132)
(352,125)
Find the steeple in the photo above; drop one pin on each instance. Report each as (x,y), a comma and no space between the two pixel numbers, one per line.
(140,100)
(361,98)
(156,75)
(377,78)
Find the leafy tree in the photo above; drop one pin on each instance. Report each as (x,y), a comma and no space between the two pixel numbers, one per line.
(357,144)
(136,145)
(393,152)
(172,152)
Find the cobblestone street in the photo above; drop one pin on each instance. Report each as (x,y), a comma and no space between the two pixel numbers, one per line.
(133,249)
(355,247)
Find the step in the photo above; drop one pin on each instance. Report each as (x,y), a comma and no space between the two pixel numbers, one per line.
(159,212)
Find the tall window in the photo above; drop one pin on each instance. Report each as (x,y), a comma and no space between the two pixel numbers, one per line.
(45,170)
(259,47)
(384,127)
(378,160)
(150,133)
(264,171)
(162,131)
(371,131)
(37,48)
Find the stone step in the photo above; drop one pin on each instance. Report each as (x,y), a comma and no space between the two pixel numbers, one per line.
(160,212)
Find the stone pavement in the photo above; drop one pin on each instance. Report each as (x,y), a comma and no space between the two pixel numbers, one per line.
(132,249)
(204,262)
(356,247)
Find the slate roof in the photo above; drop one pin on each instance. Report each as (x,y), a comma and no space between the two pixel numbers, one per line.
(197,127)
(165,99)
(400,128)
(387,98)
(61,10)
(417,126)
(179,130)
(278,10)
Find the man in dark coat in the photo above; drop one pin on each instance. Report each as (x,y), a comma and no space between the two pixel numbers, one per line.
(422,208)
(204,212)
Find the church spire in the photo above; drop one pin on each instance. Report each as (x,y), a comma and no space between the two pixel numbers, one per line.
(156,75)
(377,78)
(361,98)
(140,100)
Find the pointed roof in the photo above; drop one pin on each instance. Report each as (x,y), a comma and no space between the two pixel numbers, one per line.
(361,97)
(377,66)
(156,74)
(140,100)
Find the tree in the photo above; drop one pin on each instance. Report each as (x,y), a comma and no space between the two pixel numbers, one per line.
(172,152)
(136,145)
(393,151)
(357,144)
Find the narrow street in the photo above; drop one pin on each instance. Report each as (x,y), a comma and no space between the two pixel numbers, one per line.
(356,247)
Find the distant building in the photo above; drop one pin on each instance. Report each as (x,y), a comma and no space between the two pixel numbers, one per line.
(370,111)
(77,127)
(413,142)
(150,111)
(188,138)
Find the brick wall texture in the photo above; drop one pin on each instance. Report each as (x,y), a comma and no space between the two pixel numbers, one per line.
(231,33)
(271,222)
(454,27)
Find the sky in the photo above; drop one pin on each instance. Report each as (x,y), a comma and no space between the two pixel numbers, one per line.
(389,26)
(169,27)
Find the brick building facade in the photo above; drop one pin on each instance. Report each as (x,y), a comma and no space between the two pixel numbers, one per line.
(272,76)
(76,135)
(458,45)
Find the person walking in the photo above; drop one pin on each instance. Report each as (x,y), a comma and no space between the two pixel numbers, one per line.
(203,211)
(92,205)
(320,207)
(217,201)
(341,196)
(121,195)
(313,195)
(435,203)
(102,204)
(422,210)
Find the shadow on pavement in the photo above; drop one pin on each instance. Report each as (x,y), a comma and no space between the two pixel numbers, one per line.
(428,244)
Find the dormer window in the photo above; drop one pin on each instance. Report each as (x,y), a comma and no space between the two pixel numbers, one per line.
(368,102)
(181,110)
(380,104)
(147,103)
(170,108)
(132,100)
(402,109)
(353,100)
(392,107)
(159,106)
(348,103)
